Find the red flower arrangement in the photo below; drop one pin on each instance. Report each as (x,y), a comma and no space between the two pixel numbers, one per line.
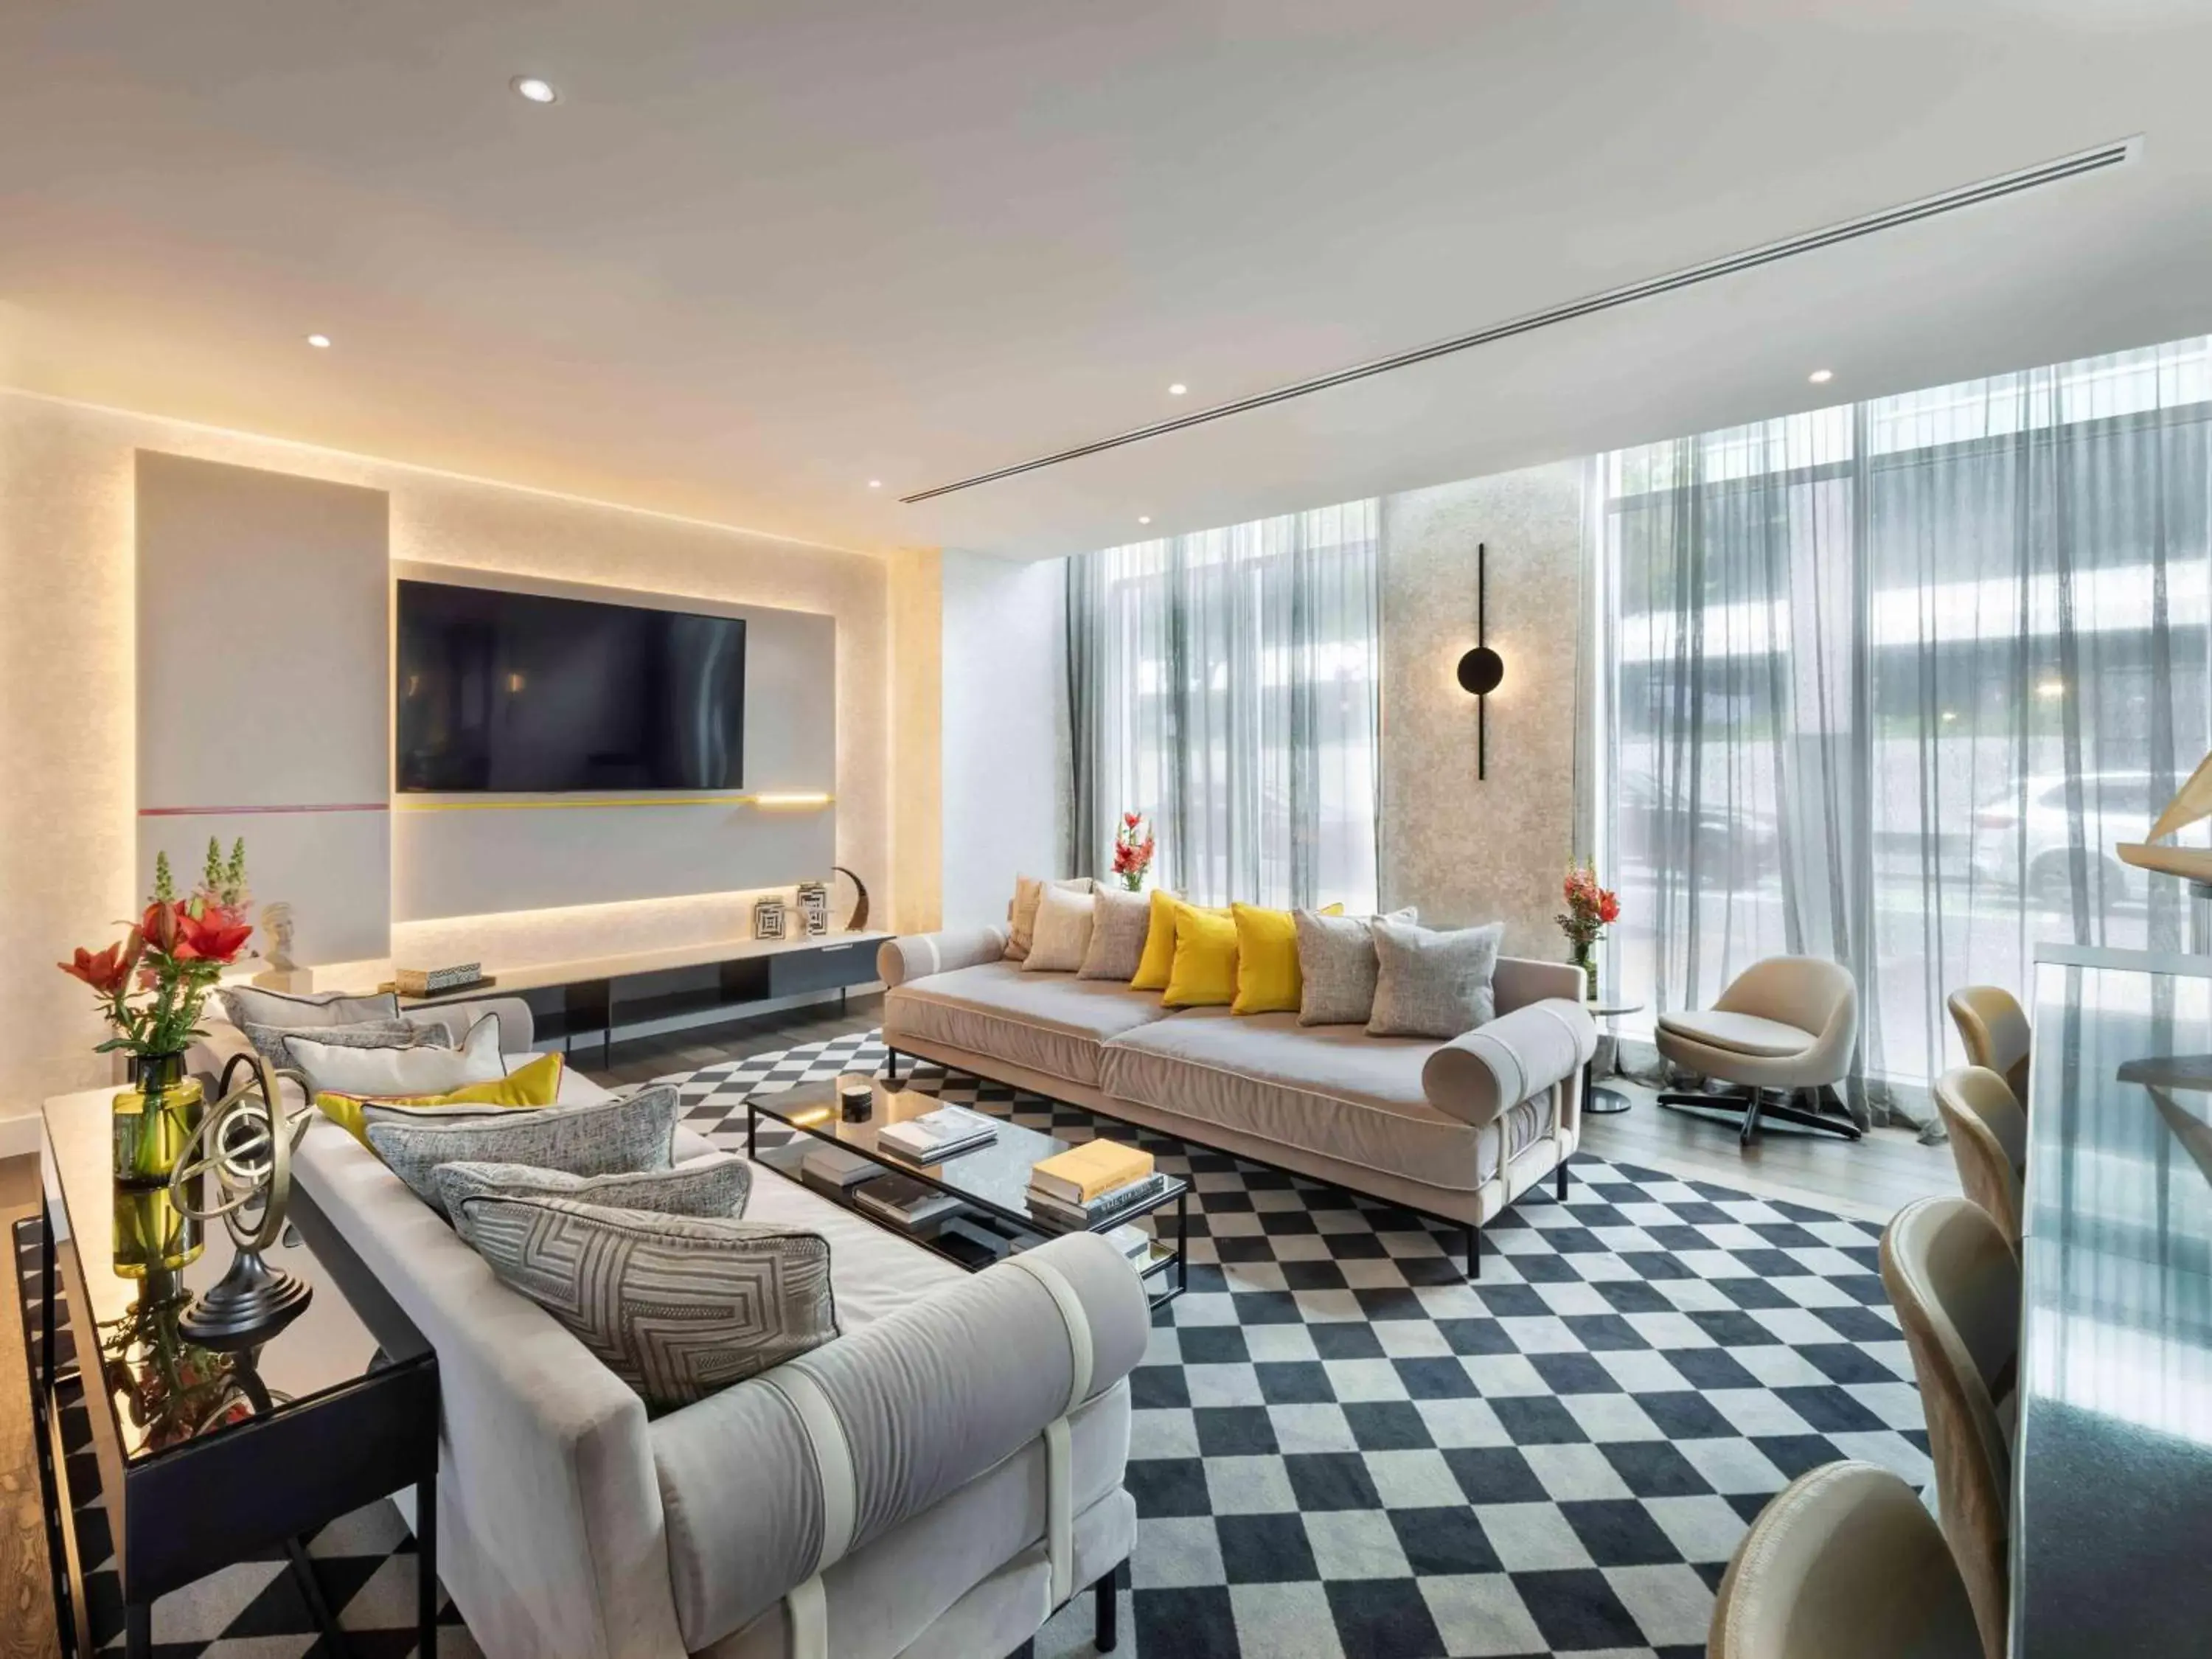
(1133,850)
(1590,910)
(152,984)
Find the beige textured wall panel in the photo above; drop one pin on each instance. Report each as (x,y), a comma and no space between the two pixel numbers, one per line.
(1469,852)
(917,622)
(67,731)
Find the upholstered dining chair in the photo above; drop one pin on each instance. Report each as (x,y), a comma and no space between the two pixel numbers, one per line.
(1989,1143)
(1842,1563)
(1788,1024)
(1955,1285)
(1994,1029)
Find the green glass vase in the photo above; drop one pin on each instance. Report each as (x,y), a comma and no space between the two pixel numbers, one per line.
(154,1118)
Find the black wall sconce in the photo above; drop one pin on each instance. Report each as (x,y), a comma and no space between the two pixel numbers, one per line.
(1481,671)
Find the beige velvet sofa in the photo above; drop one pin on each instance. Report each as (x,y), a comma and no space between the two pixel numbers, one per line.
(946,1515)
(1456,1130)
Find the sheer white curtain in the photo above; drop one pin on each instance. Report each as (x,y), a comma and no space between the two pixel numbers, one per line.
(1886,682)
(1226,685)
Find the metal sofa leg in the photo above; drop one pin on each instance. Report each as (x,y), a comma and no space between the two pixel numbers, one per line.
(890,1066)
(1473,1252)
(1104,1634)
(1563,1177)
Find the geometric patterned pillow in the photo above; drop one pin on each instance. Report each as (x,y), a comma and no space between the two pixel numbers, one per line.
(608,1137)
(716,1186)
(677,1307)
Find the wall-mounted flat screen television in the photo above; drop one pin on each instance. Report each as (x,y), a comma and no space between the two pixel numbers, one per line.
(523,693)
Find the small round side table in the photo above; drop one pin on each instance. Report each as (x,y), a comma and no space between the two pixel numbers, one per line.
(1606,1102)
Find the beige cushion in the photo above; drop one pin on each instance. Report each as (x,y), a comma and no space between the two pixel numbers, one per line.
(1061,937)
(1021,914)
(1119,920)
(1042,1022)
(1741,1034)
(1327,1088)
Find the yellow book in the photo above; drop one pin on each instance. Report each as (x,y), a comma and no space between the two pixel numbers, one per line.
(1085,1172)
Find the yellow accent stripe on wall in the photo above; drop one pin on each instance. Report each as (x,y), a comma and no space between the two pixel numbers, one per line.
(771,801)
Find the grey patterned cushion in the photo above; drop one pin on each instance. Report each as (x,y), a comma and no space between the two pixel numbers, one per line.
(717,1185)
(1336,967)
(608,1137)
(1431,984)
(247,1004)
(1118,920)
(677,1307)
(368,1034)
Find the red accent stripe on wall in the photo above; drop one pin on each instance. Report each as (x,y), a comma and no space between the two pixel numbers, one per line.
(237,811)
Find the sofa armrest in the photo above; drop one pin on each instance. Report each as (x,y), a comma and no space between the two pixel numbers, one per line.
(551,1538)
(1514,1058)
(915,956)
(920,1404)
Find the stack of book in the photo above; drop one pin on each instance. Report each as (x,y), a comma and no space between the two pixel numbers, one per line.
(1094,1185)
(935,1136)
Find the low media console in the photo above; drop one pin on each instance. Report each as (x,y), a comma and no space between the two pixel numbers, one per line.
(649,992)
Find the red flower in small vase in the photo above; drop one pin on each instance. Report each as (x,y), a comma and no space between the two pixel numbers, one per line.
(218,936)
(1608,907)
(107,973)
(159,926)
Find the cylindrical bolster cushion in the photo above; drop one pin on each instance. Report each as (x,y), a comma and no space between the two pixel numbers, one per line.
(926,1401)
(915,956)
(1516,1056)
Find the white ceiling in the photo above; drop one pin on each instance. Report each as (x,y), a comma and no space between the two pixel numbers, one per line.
(762,253)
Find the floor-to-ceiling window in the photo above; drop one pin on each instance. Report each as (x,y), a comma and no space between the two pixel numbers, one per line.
(1887,683)
(1226,685)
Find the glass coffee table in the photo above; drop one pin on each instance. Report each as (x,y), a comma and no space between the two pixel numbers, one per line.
(991,1182)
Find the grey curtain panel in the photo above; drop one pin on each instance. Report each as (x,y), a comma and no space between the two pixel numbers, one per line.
(1227,685)
(1886,682)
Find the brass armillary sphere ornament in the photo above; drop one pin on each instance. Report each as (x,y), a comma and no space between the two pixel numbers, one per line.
(243,1148)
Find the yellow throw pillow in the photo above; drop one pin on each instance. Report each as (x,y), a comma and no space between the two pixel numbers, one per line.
(1268,981)
(526,1086)
(1204,974)
(1153,966)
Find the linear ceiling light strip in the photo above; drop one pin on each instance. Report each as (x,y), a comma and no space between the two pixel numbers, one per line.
(1949,201)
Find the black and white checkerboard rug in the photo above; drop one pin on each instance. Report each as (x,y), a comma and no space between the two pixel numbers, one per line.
(1340,1448)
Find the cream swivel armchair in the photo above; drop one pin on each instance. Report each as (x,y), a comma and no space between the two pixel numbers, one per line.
(1955,1285)
(1787,1024)
(1994,1031)
(1989,1143)
(1843,1564)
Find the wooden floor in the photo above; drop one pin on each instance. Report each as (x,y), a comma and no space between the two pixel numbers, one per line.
(1870,1179)
(27,1606)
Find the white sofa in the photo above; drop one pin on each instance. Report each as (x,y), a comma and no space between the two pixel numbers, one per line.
(573,1526)
(1456,1130)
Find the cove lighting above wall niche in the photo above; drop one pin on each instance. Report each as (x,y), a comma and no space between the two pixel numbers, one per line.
(523,938)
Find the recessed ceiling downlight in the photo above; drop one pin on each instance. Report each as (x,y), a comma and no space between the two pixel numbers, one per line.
(1821,376)
(320,341)
(1177,389)
(537,90)
(1144,518)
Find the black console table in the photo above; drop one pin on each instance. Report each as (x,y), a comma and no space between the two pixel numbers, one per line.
(203,1458)
(667,990)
